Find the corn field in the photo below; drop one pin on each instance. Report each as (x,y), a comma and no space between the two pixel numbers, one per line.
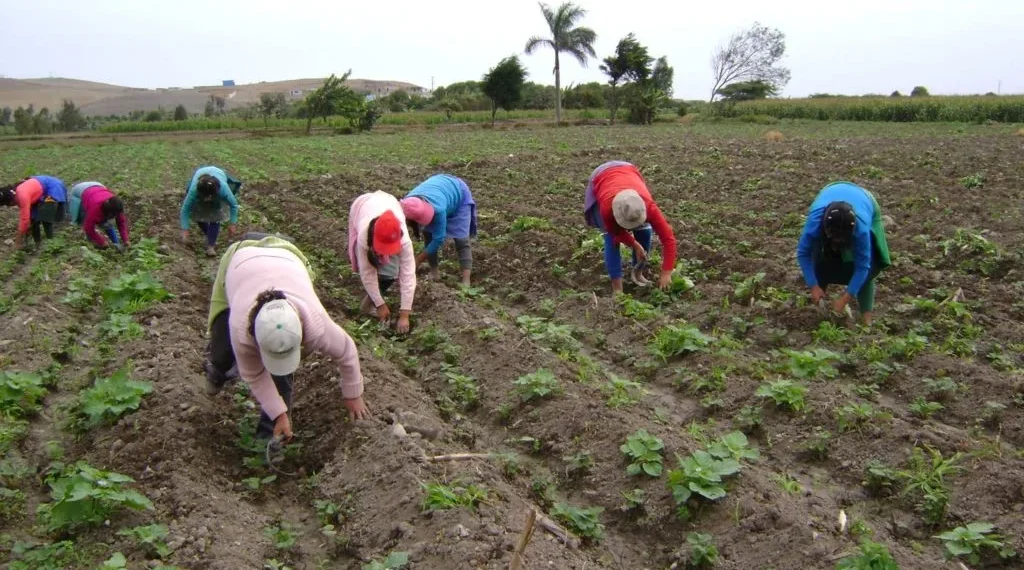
(966,109)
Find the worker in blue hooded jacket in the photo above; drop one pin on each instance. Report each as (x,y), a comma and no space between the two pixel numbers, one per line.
(442,207)
(844,243)
(209,190)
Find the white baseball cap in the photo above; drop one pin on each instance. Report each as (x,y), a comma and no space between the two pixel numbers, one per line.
(629,210)
(279,336)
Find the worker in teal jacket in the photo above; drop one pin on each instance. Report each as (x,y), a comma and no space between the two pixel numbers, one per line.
(844,243)
(208,191)
(442,207)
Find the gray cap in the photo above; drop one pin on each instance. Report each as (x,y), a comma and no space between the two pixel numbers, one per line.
(629,209)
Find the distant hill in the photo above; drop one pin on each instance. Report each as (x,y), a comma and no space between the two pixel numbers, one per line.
(104,99)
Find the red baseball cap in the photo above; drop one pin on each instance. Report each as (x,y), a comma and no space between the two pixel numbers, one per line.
(387,234)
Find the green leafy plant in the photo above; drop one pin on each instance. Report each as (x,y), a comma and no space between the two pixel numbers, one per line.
(20,393)
(811,364)
(132,292)
(150,537)
(394,561)
(442,497)
(748,288)
(108,399)
(53,556)
(880,478)
(925,480)
(940,389)
(972,541)
(82,293)
(635,498)
(83,495)
(818,443)
(635,308)
(621,392)
(749,419)
(257,483)
(678,286)
(644,452)
(584,521)
(537,385)
(872,556)
(788,484)
(282,535)
(785,394)
(524,223)
(700,473)
(733,445)
(120,326)
(923,408)
(117,561)
(703,552)
(852,416)
(464,389)
(676,340)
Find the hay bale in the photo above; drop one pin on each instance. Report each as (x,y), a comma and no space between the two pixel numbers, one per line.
(774,136)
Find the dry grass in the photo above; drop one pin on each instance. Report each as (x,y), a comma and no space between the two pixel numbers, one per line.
(688,119)
(774,136)
(1020,132)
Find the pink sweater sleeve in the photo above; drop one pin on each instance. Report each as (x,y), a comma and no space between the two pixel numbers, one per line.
(407,275)
(250,368)
(333,342)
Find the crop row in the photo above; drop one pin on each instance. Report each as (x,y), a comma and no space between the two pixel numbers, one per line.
(1008,109)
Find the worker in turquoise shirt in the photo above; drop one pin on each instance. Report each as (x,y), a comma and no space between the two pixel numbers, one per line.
(208,191)
(443,207)
(844,243)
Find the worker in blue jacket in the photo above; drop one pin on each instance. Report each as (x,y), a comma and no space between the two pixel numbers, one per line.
(442,207)
(844,243)
(209,190)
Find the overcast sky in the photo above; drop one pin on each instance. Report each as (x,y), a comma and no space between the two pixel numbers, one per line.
(868,46)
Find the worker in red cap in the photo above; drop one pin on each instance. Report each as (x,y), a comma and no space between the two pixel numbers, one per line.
(381,251)
(618,202)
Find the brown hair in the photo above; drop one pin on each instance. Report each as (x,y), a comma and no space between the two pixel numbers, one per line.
(262,299)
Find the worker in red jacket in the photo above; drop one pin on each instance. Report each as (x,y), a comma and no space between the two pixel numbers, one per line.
(618,203)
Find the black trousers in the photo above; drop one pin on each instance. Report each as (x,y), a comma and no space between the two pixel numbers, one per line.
(222,358)
(37,235)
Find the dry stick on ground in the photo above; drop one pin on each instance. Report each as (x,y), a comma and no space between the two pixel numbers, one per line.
(524,539)
(557,530)
(455,457)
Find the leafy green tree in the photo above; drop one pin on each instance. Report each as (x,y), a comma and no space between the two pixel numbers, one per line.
(154,116)
(42,122)
(6,116)
(272,104)
(751,55)
(211,108)
(895,94)
(69,118)
(180,113)
(503,84)
(662,76)
(630,63)
(335,98)
(919,91)
(397,101)
(566,37)
(23,120)
(746,91)
(592,95)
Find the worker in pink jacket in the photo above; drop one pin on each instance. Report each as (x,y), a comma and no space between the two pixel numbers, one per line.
(263,313)
(93,205)
(382,252)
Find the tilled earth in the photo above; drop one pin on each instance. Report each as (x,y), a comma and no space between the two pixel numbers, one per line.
(737,211)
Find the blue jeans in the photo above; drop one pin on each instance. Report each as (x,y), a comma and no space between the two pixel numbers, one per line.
(211,230)
(612,255)
(111,230)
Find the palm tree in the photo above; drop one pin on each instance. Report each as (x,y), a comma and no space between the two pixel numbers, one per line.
(567,38)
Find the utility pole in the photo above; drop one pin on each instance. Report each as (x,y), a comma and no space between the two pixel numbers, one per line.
(999,89)
(431,82)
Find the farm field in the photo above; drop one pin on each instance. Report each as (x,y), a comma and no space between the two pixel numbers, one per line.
(911,428)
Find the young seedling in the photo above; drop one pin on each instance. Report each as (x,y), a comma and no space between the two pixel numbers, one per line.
(923,408)
(583,521)
(621,392)
(973,541)
(150,537)
(925,479)
(703,552)
(635,499)
(394,561)
(699,474)
(785,394)
(644,452)
(872,556)
(283,536)
(442,497)
(537,385)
